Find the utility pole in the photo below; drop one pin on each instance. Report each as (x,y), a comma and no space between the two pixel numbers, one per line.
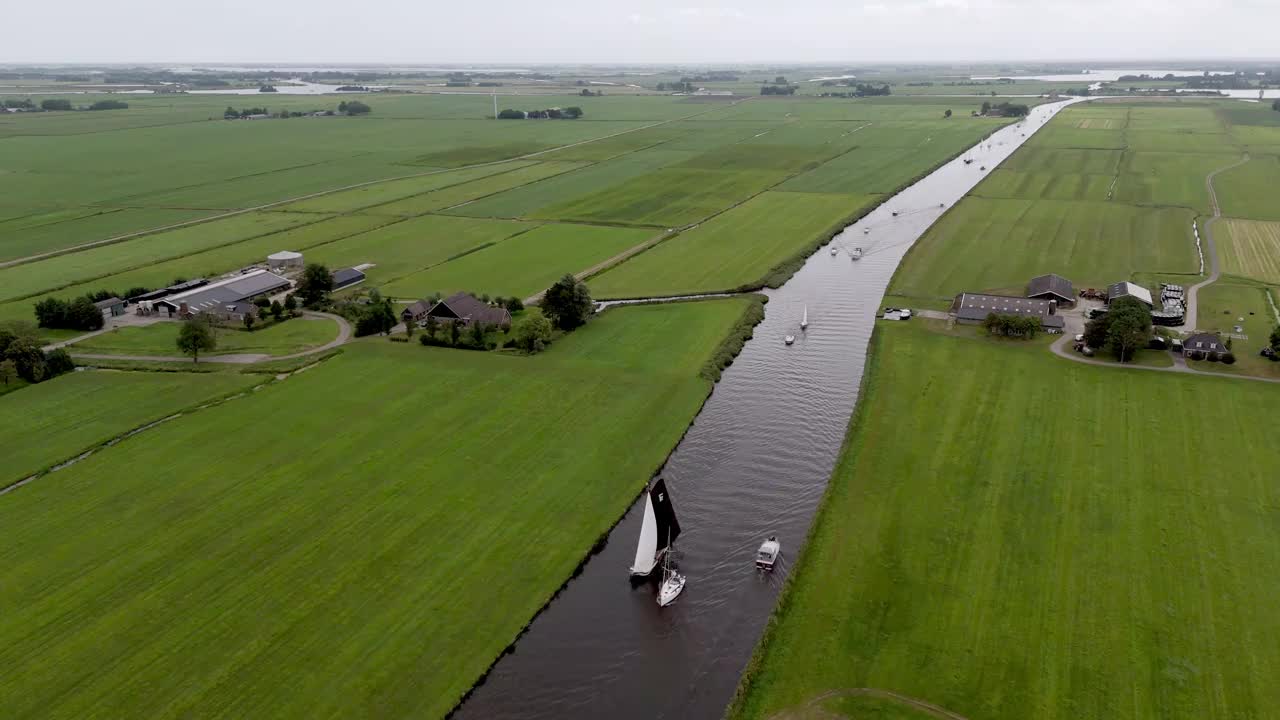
(495,104)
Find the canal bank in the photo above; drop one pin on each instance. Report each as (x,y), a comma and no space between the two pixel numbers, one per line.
(755,462)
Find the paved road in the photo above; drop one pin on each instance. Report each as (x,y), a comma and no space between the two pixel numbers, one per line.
(344,336)
(1210,248)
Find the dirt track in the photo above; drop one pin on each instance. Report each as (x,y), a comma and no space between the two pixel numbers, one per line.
(812,710)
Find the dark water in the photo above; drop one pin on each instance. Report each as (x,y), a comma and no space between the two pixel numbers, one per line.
(754,463)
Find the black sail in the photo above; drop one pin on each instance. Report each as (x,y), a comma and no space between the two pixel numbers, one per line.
(665,513)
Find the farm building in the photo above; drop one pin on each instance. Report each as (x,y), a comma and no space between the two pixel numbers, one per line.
(973,308)
(284,260)
(248,286)
(1128,289)
(111,307)
(346,277)
(171,290)
(1204,343)
(233,312)
(416,312)
(1052,287)
(467,309)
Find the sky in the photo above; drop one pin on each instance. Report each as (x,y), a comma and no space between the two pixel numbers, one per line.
(653,31)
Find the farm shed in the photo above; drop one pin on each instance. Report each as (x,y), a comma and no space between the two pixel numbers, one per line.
(1052,287)
(248,286)
(346,277)
(111,307)
(973,308)
(284,260)
(1128,289)
(416,312)
(466,308)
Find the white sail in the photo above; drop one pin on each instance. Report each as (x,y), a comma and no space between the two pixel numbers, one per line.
(804,321)
(647,548)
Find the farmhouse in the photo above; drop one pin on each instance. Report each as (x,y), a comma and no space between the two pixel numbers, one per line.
(973,308)
(1204,343)
(1128,289)
(111,307)
(467,309)
(1052,287)
(248,286)
(346,277)
(417,312)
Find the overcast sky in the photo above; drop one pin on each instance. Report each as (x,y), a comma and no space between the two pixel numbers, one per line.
(687,31)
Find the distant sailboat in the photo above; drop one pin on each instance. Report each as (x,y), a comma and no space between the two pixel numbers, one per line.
(658,530)
(804,321)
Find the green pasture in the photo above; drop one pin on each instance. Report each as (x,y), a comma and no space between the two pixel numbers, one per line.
(391,190)
(1012,535)
(1000,244)
(737,248)
(101,262)
(669,197)
(1249,191)
(160,339)
(1012,184)
(456,196)
(1230,303)
(1151,178)
(1249,249)
(47,232)
(44,424)
(272,545)
(876,168)
(525,264)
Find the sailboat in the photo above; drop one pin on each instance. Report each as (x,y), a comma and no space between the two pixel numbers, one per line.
(804,321)
(857,253)
(672,580)
(658,530)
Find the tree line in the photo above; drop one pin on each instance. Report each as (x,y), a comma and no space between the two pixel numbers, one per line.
(1018,326)
(1005,109)
(21,356)
(570,113)
(63,104)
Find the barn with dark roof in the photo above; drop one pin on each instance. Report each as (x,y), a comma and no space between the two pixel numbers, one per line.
(1052,287)
(468,309)
(973,308)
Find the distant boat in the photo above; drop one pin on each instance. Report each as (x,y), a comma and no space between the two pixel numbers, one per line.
(672,580)
(834,250)
(789,339)
(968,161)
(804,321)
(767,555)
(857,253)
(984,167)
(658,530)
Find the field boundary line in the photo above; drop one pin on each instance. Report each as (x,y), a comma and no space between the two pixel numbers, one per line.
(924,706)
(267,206)
(1210,247)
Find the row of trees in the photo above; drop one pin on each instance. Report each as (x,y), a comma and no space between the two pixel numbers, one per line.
(57,104)
(1005,109)
(572,112)
(1019,326)
(77,314)
(354,107)
(777,89)
(682,86)
(21,356)
(1123,330)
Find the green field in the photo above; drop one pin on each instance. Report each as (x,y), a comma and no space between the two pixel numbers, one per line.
(1230,303)
(524,264)
(735,249)
(668,197)
(385,192)
(56,420)
(47,232)
(1249,249)
(1248,191)
(283,338)
(997,244)
(1023,537)
(398,509)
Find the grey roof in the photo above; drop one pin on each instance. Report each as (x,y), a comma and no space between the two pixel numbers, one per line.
(228,291)
(1128,289)
(467,307)
(1205,342)
(1051,284)
(346,276)
(109,302)
(974,306)
(417,308)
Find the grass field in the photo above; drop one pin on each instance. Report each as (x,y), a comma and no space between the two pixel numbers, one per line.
(522,265)
(1228,304)
(1247,191)
(997,244)
(735,249)
(52,421)
(1019,536)
(161,339)
(1249,249)
(270,567)
(669,197)
(47,232)
(385,192)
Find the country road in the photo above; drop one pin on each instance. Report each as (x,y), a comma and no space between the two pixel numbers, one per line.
(1210,248)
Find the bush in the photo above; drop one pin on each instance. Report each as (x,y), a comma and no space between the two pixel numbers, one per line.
(1214,357)
(58,362)
(55,104)
(1228,358)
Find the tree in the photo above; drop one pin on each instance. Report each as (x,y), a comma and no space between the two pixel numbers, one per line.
(509,114)
(513,304)
(1275,339)
(455,331)
(355,107)
(378,317)
(986,107)
(477,334)
(8,371)
(55,104)
(432,326)
(946,114)
(573,112)
(1128,327)
(27,357)
(408,328)
(315,285)
(277,310)
(57,362)
(532,332)
(196,335)
(51,313)
(82,314)
(290,303)
(567,303)
(248,321)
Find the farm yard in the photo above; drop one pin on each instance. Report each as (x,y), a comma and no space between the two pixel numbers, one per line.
(1081,565)
(242,554)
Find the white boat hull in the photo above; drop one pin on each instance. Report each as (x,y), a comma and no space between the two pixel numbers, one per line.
(671,589)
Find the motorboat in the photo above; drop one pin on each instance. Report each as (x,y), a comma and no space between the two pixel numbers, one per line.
(834,250)
(857,253)
(984,167)
(768,554)
(789,340)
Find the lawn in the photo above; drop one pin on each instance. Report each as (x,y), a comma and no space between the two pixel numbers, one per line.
(46,423)
(321,548)
(1169,179)
(1249,248)
(735,249)
(283,338)
(525,264)
(999,244)
(1009,535)
(1226,304)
